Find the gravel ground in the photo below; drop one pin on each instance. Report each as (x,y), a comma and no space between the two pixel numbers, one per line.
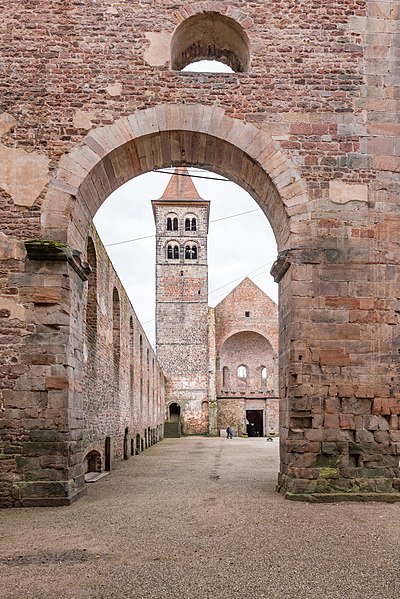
(199,518)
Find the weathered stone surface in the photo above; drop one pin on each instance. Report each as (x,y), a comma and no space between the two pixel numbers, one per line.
(318,149)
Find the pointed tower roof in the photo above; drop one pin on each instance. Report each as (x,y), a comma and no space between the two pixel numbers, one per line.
(181,186)
(180,191)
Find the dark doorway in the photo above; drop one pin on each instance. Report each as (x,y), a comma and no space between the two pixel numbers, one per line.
(126,436)
(107,453)
(255,423)
(174,412)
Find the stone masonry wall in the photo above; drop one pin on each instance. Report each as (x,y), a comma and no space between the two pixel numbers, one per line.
(182,312)
(246,332)
(133,399)
(310,129)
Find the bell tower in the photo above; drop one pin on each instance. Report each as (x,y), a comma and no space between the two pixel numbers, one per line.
(182,218)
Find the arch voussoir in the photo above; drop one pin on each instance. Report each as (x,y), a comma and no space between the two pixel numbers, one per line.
(173,134)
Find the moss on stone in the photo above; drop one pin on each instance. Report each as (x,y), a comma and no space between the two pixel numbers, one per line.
(328,472)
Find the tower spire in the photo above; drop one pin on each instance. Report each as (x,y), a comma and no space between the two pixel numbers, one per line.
(181,186)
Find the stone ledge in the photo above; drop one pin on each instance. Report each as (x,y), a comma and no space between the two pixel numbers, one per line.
(93,477)
(340,497)
(47,250)
(52,501)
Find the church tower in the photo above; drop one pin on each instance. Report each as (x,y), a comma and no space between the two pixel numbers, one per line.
(182,218)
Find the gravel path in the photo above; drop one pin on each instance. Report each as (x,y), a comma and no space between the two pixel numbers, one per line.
(199,518)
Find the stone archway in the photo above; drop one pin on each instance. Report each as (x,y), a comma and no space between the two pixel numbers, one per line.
(171,135)
(320,442)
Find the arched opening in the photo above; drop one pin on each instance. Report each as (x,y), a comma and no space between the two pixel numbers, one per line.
(92,462)
(131,360)
(126,444)
(225,376)
(138,444)
(229,148)
(210,35)
(174,412)
(242,373)
(91,307)
(207,66)
(264,376)
(116,335)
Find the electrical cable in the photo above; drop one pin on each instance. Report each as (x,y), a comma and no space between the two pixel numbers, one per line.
(194,176)
(212,221)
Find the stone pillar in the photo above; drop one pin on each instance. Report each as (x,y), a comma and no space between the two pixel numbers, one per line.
(46,429)
(212,379)
(339,414)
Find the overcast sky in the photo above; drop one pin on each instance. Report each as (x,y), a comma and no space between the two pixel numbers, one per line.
(237,247)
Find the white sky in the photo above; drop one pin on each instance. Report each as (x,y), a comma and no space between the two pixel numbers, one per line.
(237,247)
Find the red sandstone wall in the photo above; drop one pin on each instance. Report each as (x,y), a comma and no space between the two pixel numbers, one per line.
(324,86)
(110,407)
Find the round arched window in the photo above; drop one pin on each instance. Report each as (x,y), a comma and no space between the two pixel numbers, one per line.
(210,36)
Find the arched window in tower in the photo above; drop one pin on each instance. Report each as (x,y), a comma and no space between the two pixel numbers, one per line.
(175,224)
(191,252)
(169,224)
(194,224)
(172,251)
(187,224)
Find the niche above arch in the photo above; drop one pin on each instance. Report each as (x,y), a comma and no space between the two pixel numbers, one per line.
(210,36)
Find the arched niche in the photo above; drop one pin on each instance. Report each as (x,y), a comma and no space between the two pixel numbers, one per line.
(210,36)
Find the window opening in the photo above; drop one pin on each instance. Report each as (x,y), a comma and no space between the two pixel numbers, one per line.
(247,314)
(210,36)
(225,376)
(191,252)
(169,224)
(208,66)
(176,252)
(242,373)
(194,224)
(264,375)
(175,224)
(187,224)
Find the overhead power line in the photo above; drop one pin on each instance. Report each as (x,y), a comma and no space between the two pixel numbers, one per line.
(192,176)
(212,221)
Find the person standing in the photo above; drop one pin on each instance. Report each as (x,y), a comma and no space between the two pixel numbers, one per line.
(229,433)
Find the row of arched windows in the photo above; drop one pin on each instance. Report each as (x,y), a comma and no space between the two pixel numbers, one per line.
(242,373)
(173,224)
(173,252)
(149,375)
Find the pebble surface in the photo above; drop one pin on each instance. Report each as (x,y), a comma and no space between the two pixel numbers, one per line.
(199,518)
